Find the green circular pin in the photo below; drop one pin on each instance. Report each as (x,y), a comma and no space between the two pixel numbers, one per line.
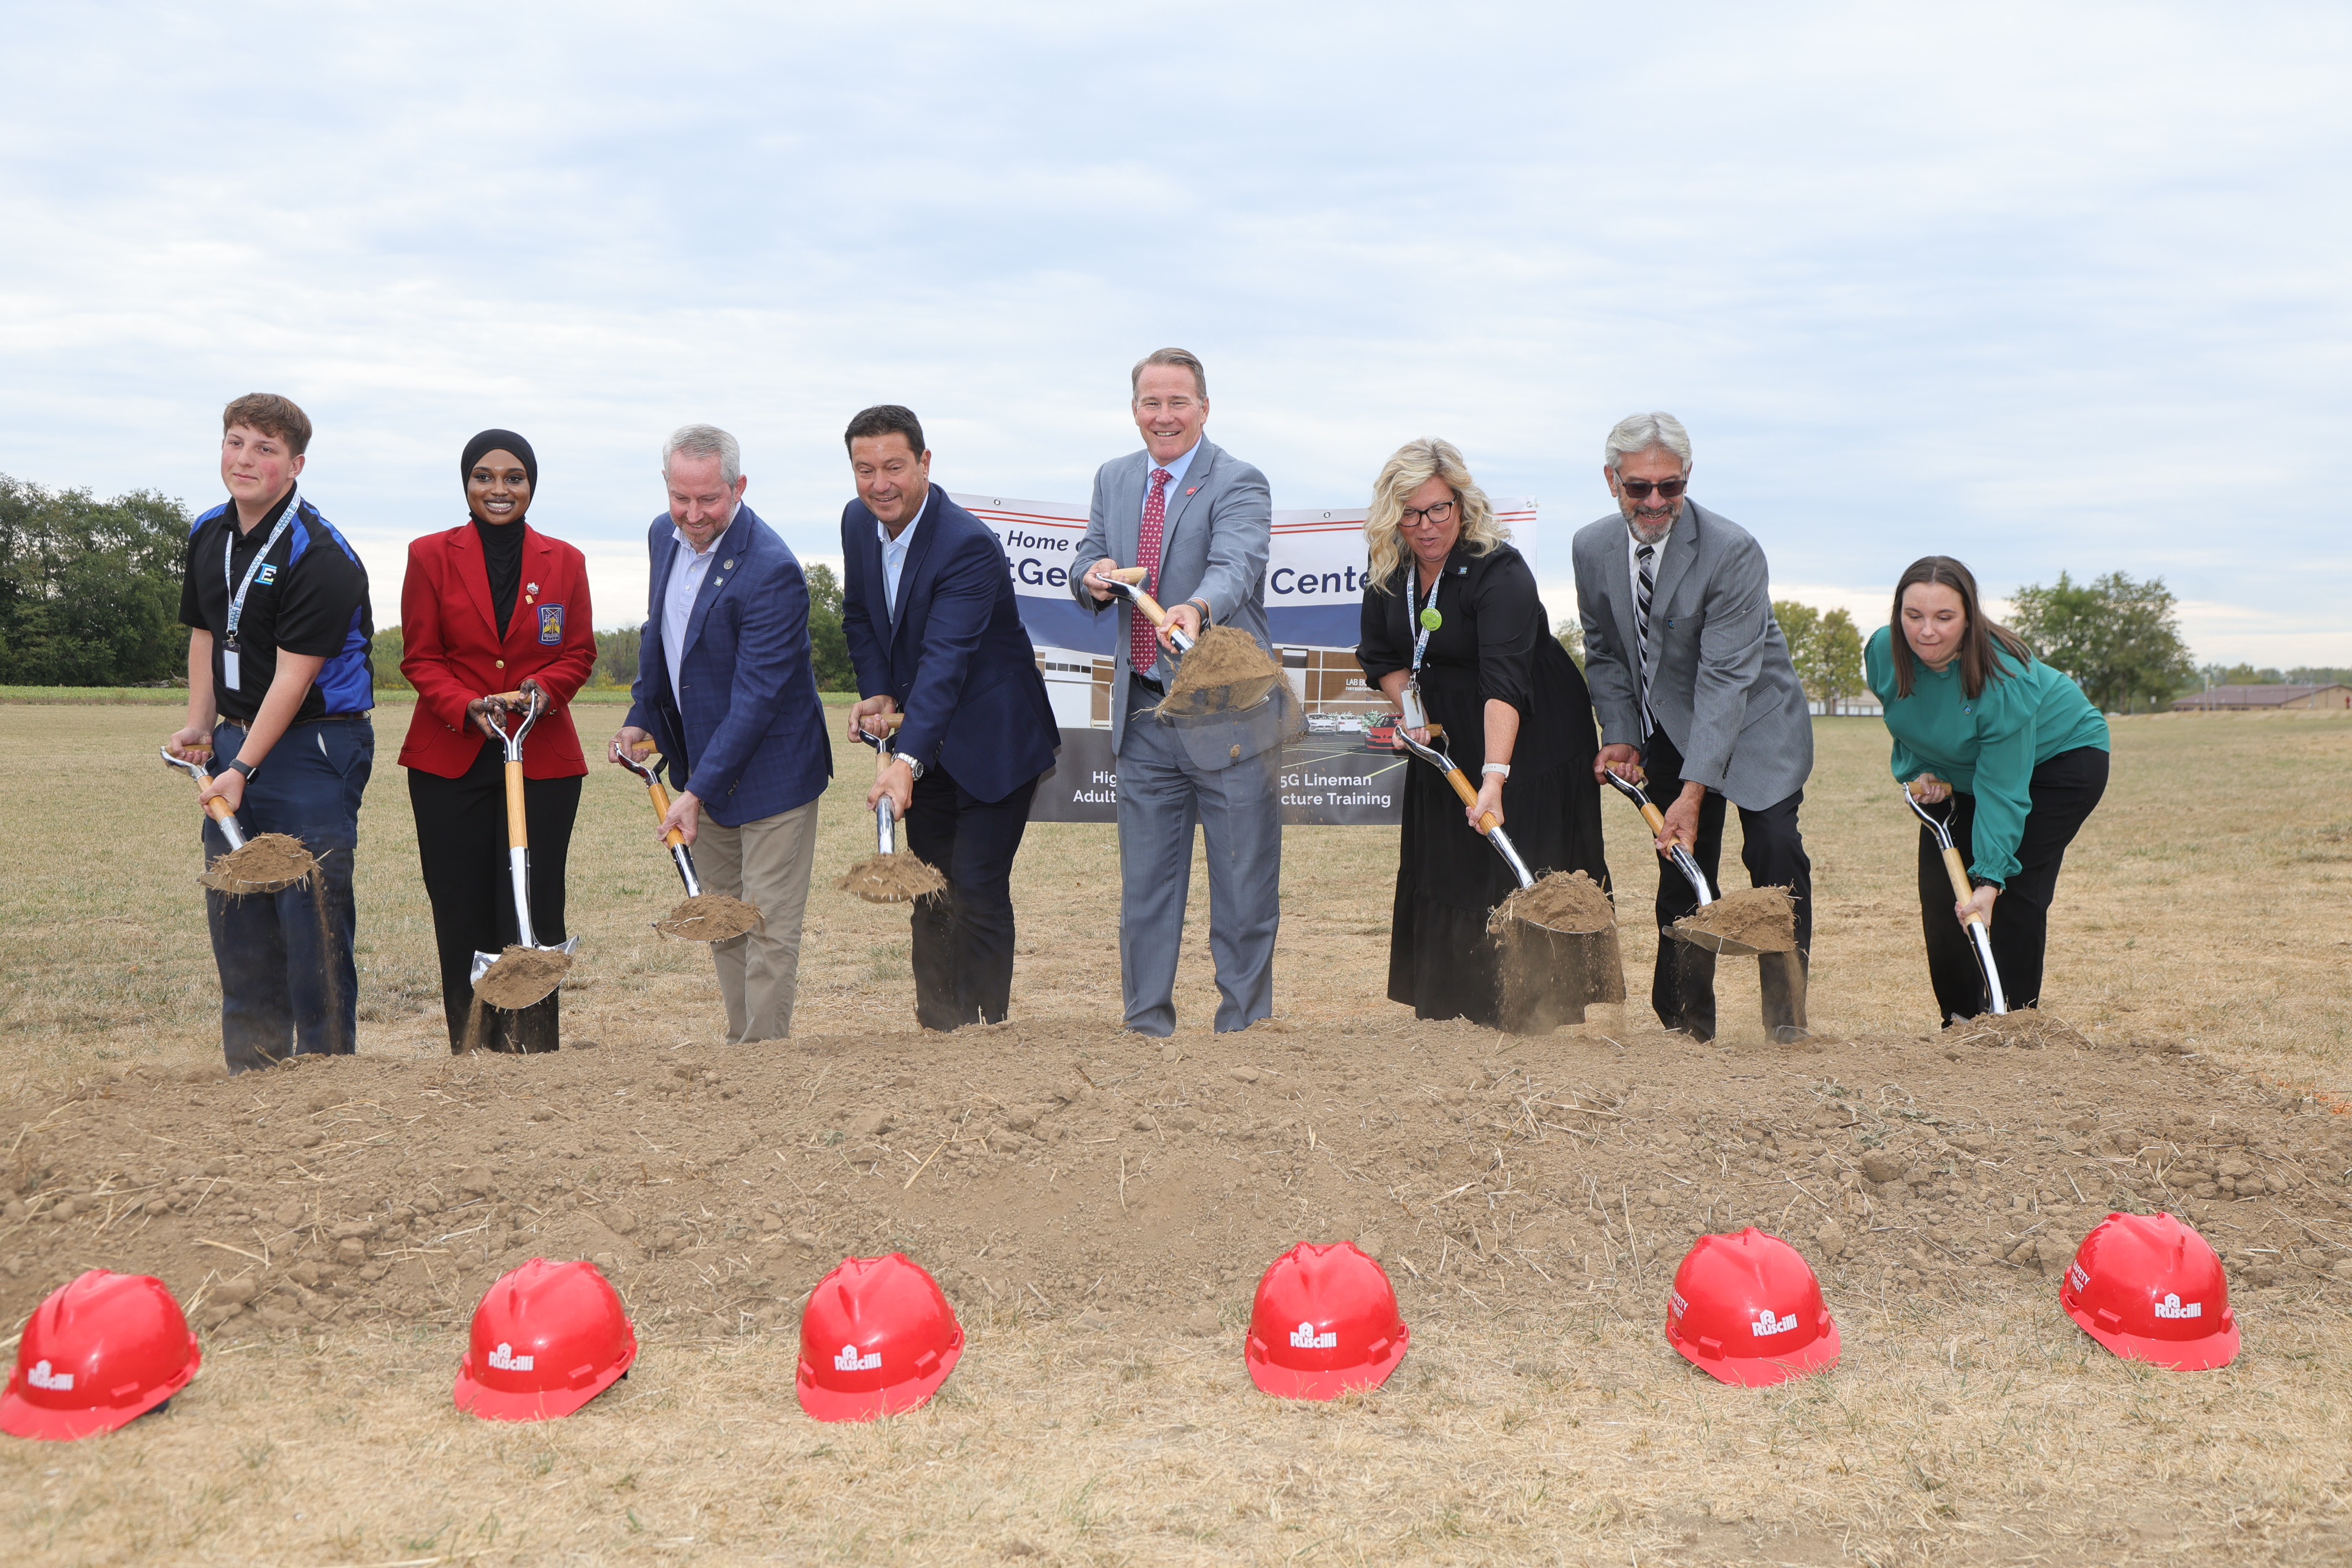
(1431,620)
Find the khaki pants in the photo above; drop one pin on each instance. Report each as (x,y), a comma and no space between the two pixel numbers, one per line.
(766,864)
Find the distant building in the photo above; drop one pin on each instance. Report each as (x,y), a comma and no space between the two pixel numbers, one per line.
(2265,699)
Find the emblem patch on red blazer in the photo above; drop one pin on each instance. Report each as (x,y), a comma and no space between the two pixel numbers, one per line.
(550,625)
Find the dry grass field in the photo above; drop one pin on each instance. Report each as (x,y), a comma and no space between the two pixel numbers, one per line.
(2199,946)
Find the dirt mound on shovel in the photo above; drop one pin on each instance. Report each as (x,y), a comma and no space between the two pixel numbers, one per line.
(1563,902)
(1225,657)
(1762,918)
(270,863)
(892,879)
(521,976)
(711,917)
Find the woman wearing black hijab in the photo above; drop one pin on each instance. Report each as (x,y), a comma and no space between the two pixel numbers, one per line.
(488,608)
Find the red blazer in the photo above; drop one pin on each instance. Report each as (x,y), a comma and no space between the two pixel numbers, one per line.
(452,654)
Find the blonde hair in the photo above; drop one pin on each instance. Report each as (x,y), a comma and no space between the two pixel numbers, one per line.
(1413,465)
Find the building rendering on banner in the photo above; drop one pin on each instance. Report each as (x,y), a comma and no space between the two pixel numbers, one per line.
(1314,597)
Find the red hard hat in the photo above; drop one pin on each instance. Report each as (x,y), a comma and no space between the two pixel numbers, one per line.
(100,1352)
(876,1339)
(2149,1288)
(1745,1308)
(1324,1323)
(548,1338)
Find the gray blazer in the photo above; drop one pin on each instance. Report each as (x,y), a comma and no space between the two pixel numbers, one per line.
(1220,527)
(1723,688)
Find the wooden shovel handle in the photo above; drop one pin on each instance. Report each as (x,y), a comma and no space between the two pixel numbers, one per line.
(1958,870)
(518,825)
(661,810)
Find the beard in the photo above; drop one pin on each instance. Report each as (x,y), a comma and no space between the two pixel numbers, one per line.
(1648,528)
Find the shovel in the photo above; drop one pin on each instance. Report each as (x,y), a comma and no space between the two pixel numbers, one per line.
(225,872)
(514,993)
(1979,928)
(1454,775)
(704,917)
(887,876)
(1688,867)
(1186,702)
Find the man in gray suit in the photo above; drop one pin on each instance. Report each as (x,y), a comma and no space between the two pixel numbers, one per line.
(1200,521)
(1696,690)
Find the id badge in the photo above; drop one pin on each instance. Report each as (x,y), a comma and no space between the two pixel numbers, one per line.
(229,668)
(1416,717)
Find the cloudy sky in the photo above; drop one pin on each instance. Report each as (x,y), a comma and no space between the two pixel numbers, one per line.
(2050,288)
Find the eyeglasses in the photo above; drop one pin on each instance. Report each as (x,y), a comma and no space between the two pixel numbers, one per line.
(1437,516)
(1639,489)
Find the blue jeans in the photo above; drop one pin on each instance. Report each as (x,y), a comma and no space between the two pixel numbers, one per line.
(288,982)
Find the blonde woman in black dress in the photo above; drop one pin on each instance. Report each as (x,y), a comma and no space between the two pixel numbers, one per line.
(1453,612)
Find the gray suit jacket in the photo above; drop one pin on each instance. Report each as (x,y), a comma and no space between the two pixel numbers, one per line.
(1220,527)
(1722,685)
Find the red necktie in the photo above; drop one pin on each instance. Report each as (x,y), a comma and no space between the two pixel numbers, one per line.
(1143,641)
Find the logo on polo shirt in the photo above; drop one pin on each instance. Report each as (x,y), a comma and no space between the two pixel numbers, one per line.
(267,576)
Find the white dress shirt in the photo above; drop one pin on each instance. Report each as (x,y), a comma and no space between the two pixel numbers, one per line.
(687,569)
(1633,560)
(1175,483)
(894,553)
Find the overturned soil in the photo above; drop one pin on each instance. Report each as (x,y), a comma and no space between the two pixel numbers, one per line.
(1762,918)
(521,976)
(711,917)
(1069,1170)
(1563,902)
(270,863)
(898,878)
(1226,668)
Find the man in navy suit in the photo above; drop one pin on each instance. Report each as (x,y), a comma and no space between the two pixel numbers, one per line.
(927,607)
(727,692)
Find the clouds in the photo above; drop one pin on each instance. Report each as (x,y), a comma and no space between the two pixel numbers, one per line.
(2046,290)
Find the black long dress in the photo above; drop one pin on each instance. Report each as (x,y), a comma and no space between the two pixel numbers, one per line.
(1495,642)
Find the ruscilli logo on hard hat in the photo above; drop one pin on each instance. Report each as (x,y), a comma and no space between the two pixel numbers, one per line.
(505,1360)
(41,1376)
(850,1360)
(1305,1337)
(2172,1307)
(1767,1324)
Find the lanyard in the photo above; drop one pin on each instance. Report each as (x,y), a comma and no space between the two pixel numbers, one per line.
(1412,596)
(229,553)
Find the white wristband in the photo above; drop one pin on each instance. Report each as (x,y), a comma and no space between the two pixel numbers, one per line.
(1502,768)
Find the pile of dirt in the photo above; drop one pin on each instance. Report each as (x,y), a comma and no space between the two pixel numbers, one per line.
(268,863)
(1563,902)
(1764,918)
(1068,1171)
(1226,668)
(900,879)
(521,976)
(2026,1029)
(711,917)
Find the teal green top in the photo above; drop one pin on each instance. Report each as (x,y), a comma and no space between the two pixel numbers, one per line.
(1988,748)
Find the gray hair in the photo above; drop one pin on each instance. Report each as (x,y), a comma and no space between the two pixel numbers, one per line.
(706,441)
(1639,433)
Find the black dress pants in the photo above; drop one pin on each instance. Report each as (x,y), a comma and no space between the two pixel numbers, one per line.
(1682,987)
(963,939)
(461,839)
(2064,791)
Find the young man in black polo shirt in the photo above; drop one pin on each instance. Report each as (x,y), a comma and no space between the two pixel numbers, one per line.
(279,686)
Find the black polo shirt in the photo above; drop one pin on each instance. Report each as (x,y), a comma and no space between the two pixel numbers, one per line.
(309,597)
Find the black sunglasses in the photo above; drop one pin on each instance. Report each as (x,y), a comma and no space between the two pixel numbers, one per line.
(1639,489)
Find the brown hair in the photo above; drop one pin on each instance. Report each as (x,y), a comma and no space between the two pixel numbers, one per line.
(1977,662)
(272,416)
(1184,357)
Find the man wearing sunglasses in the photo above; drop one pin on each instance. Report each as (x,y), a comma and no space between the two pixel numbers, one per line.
(1698,698)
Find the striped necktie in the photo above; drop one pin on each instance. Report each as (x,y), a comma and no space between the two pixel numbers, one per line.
(1647,555)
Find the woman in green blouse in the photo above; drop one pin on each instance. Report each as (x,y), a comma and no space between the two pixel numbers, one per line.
(2014,745)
